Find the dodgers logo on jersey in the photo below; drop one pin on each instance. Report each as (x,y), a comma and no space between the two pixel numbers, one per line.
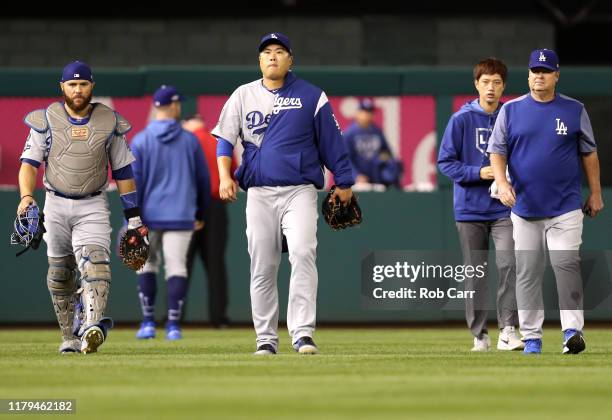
(482,138)
(281,103)
(257,121)
(561,128)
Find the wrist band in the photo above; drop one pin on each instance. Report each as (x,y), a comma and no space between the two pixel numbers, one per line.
(27,195)
(133,212)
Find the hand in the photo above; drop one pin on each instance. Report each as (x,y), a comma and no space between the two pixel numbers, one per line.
(593,205)
(343,194)
(198,225)
(361,179)
(486,173)
(26,200)
(227,189)
(506,194)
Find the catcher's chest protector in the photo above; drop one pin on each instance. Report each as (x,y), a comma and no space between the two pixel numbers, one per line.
(78,159)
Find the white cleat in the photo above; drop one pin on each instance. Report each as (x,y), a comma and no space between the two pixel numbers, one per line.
(509,339)
(91,340)
(482,344)
(70,346)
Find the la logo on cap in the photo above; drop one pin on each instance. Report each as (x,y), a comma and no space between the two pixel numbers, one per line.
(542,57)
(77,75)
(273,36)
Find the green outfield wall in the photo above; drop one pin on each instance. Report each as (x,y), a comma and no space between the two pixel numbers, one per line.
(335,80)
(393,221)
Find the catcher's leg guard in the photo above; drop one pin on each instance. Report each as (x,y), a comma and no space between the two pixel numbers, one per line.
(62,284)
(95,283)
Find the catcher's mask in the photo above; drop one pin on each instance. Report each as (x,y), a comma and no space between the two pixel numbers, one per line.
(28,228)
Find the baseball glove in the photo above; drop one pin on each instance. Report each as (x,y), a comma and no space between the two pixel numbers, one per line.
(134,247)
(338,216)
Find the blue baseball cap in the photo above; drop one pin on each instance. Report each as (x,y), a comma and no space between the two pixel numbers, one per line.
(544,58)
(367,104)
(77,70)
(165,95)
(275,38)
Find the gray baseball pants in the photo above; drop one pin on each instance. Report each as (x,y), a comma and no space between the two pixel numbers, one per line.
(175,244)
(563,236)
(290,210)
(72,224)
(474,238)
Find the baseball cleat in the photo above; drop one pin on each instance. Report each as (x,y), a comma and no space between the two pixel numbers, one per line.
(305,345)
(173,332)
(70,346)
(509,339)
(482,343)
(265,350)
(533,346)
(92,338)
(146,330)
(573,342)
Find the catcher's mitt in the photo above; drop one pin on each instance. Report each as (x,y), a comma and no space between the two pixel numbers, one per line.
(338,216)
(134,247)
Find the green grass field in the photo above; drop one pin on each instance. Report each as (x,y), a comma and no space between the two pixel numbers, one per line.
(360,374)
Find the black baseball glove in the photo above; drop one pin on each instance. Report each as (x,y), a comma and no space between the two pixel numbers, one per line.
(134,247)
(339,216)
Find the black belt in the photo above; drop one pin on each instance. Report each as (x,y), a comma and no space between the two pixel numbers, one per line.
(74,197)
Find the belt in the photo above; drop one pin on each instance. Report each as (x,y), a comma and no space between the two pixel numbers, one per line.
(74,197)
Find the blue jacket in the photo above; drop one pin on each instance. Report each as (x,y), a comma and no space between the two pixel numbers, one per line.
(462,154)
(171,176)
(301,135)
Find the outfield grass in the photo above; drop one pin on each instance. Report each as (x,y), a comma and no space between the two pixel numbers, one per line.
(360,374)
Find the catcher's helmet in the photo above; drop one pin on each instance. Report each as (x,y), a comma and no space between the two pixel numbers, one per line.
(28,227)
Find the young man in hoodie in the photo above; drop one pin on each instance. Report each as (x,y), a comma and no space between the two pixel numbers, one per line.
(289,132)
(479,217)
(174,192)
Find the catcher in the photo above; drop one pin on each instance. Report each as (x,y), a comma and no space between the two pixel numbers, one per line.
(77,140)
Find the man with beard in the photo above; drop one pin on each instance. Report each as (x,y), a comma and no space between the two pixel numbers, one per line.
(77,140)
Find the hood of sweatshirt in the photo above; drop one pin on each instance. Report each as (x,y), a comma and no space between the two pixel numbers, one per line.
(474,106)
(164,130)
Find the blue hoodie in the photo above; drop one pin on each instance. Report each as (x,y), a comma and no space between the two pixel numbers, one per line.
(171,176)
(462,154)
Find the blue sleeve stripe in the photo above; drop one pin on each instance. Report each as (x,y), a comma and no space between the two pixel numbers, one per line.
(224,147)
(34,163)
(123,173)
